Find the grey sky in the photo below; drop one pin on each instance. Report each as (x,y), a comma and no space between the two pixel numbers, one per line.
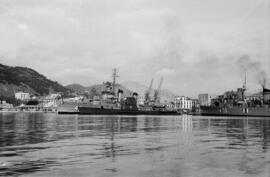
(197,46)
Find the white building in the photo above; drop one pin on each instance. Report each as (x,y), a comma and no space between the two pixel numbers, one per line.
(22,96)
(54,96)
(51,100)
(140,99)
(183,102)
(5,105)
(74,99)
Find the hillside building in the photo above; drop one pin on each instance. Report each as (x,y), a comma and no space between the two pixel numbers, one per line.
(22,96)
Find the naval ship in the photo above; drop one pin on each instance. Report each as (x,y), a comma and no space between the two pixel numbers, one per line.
(127,106)
(236,103)
(112,102)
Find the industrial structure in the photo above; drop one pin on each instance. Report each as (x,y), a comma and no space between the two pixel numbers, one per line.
(156,97)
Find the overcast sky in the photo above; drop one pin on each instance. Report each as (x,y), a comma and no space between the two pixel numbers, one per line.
(197,46)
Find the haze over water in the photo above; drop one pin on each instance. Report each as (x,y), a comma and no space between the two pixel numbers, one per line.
(34,144)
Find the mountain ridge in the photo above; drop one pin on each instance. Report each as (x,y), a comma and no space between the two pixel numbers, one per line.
(14,79)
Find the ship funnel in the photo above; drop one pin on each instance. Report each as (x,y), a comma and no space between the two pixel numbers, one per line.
(135,95)
(120,93)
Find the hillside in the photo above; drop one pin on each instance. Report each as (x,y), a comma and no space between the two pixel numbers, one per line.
(77,88)
(14,79)
(95,89)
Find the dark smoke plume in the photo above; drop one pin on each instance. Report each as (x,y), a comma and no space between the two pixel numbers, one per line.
(253,68)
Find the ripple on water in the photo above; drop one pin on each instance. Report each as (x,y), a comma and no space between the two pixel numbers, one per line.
(72,145)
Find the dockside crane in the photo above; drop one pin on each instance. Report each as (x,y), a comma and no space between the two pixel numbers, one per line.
(157,92)
(147,93)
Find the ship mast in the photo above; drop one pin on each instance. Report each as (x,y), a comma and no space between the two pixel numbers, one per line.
(114,76)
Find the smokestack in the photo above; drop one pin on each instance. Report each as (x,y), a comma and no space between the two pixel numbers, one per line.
(135,95)
(120,93)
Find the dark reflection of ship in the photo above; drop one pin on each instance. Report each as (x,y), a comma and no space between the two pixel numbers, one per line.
(112,102)
(238,131)
(235,103)
(248,136)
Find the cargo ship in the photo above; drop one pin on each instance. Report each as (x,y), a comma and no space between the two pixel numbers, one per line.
(236,103)
(112,102)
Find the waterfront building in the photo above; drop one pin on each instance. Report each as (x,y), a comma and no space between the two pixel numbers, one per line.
(170,105)
(196,103)
(35,108)
(183,102)
(205,99)
(22,96)
(140,99)
(5,105)
(77,99)
(52,100)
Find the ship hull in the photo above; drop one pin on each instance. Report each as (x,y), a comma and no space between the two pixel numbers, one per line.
(235,111)
(68,108)
(98,111)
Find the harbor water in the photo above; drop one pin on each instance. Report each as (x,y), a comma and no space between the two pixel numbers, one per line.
(47,144)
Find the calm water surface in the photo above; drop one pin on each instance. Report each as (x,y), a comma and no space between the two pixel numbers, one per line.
(34,144)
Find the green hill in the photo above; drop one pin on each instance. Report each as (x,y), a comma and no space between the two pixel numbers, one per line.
(14,79)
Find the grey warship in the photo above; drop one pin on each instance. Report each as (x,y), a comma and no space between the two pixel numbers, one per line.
(112,102)
(236,103)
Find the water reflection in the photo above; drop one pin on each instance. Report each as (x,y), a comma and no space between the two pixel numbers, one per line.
(20,129)
(50,144)
(24,167)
